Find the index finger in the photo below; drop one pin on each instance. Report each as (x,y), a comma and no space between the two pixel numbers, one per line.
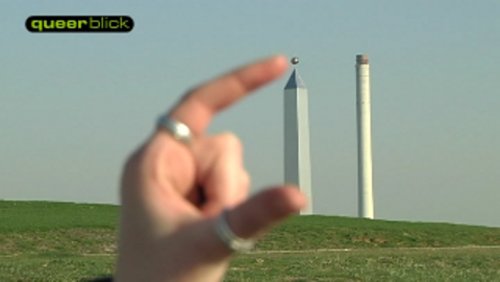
(197,108)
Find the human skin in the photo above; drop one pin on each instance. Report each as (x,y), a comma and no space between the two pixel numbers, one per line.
(172,192)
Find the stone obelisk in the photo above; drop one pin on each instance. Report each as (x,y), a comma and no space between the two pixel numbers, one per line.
(297,152)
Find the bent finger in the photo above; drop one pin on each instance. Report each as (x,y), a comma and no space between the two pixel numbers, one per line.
(264,210)
(247,220)
(221,172)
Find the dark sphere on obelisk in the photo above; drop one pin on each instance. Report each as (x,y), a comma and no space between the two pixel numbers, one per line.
(294,60)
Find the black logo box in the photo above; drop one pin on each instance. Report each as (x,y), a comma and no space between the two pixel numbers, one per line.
(96,23)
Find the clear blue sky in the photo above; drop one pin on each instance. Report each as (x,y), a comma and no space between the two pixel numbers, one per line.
(72,106)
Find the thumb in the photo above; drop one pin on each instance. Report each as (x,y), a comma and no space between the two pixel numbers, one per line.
(264,210)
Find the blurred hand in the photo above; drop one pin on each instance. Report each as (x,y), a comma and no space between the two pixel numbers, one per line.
(172,192)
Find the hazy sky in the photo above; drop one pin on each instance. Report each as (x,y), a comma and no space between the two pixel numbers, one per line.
(72,106)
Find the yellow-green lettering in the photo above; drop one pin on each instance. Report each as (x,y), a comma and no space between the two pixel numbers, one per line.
(111,25)
(82,22)
(124,24)
(37,24)
(60,24)
(71,24)
(94,24)
(48,24)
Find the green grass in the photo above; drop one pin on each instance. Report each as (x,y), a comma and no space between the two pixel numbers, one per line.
(370,265)
(45,241)
(39,216)
(317,232)
(55,268)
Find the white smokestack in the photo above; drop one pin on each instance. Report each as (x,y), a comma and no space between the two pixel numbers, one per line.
(365,178)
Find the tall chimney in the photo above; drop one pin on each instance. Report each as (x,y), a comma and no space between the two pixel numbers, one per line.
(363,106)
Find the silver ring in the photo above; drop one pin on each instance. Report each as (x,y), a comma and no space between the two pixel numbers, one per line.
(227,236)
(179,130)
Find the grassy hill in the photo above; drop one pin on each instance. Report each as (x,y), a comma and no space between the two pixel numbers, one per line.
(65,241)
